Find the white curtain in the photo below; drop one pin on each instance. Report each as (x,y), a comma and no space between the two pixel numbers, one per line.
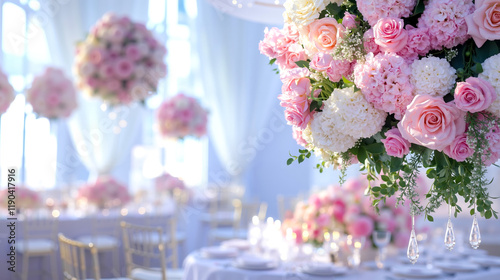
(101,137)
(239,85)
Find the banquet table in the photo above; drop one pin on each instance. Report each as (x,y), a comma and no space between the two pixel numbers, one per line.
(197,267)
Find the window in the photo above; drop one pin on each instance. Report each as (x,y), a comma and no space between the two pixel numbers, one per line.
(24,52)
(186,159)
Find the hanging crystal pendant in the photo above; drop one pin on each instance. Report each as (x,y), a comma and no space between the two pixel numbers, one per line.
(412,252)
(449,236)
(475,235)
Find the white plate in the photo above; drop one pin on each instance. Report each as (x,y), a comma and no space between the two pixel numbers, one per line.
(416,271)
(218,252)
(485,260)
(467,251)
(372,265)
(323,269)
(239,244)
(461,266)
(265,266)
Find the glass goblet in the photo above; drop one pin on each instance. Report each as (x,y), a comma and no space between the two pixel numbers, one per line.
(381,238)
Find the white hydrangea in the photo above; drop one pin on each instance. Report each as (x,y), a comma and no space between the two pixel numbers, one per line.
(491,73)
(346,117)
(303,12)
(352,114)
(433,76)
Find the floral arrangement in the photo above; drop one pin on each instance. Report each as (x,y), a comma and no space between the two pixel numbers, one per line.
(347,210)
(7,94)
(120,61)
(182,116)
(106,192)
(168,183)
(26,198)
(52,95)
(395,86)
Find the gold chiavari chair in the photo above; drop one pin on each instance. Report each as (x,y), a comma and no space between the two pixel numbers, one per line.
(243,214)
(73,259)
(168,225)
(105,236)
(143,243)
(221,208)
(39,239)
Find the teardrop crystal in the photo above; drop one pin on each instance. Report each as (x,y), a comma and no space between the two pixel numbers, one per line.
(449,236)
(412,252)
(475,235)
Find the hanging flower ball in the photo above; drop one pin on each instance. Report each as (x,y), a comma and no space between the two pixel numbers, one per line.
(52,95)
(182,116)
(7,94)
(120,61)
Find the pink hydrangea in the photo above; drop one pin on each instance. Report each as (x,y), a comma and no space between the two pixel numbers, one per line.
(295,91)
(492,154)
(384,79)
(419,43)
(373,10)
(445,20)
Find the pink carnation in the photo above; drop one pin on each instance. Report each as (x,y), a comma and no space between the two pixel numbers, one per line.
(459,150)
(445,20)
(333,68)
(297,135)
(373,10)
(395,144)
(384,79)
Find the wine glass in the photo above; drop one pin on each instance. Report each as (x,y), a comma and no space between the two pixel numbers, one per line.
(381,238)
(355,244)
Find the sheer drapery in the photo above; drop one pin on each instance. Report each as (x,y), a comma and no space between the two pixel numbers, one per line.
(239,85)
(101,137)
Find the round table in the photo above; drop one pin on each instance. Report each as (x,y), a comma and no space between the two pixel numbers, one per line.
(197,267)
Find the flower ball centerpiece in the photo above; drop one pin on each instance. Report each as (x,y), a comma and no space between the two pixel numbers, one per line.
(396,86)
(52,95)
(7,94)
(167,183)
(120,61)
(25,198)
(106,192)
(181,116)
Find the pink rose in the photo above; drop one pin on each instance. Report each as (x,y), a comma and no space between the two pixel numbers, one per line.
(123,68)
(323,33)
(474,95)
(395,144)
(321,61)
(349,20)
(484,23)
(459,150)
(390,34)
(431,122)
(361,226)
(294,53)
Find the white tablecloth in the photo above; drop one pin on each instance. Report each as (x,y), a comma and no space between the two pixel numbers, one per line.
(199,268)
